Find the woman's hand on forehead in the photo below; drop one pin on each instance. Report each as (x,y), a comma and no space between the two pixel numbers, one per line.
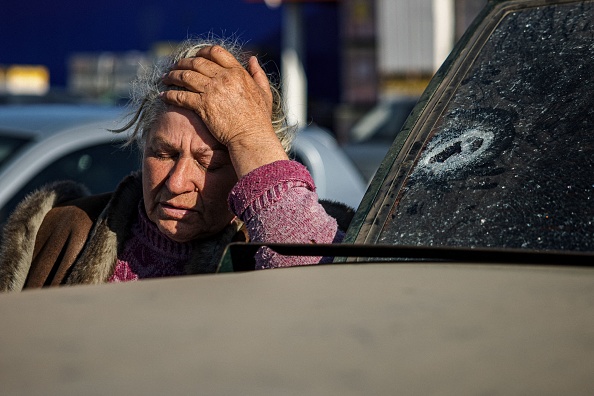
(235,104)
(230,100)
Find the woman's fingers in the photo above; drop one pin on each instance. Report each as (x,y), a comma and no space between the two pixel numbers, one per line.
(200,65)
(209,61)
(260,78)
(186,99)
(218,55)
(190,79)
(195,73)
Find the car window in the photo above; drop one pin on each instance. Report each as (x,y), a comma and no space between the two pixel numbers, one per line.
(509,161)
(383,122)
(9,145)
(100,168)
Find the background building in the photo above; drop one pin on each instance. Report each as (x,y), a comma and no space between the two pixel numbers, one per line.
(393,47)
(354,52)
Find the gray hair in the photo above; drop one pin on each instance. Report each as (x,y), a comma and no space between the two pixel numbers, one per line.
(147,107)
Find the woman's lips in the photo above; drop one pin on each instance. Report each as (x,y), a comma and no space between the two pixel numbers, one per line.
(175,212)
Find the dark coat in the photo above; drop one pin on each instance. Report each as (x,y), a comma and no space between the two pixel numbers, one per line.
(62,235)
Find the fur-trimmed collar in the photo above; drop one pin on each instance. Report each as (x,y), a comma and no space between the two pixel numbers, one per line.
(97,259)
(18,236)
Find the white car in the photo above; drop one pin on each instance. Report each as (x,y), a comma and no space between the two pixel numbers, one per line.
(43,143)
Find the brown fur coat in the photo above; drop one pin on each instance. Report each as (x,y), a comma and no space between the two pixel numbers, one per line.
(61,235)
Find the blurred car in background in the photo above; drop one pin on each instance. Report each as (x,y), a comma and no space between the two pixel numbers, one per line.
(44,143)
(371,136)
(335,175)
(53,96)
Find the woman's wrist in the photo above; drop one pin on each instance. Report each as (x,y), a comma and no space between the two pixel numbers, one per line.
(251,153)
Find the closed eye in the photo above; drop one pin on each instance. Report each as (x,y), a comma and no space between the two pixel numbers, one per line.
(161,150)
(163,155)
(166,156)
(213,160)
(211,164)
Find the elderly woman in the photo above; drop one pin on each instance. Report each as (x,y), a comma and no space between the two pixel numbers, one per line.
(215,170)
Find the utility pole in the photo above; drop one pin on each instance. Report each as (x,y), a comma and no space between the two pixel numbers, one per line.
(294,79)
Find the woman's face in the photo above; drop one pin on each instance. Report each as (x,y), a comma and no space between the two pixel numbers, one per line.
(186,177)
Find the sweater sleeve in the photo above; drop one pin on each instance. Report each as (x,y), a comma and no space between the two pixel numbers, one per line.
(278,204)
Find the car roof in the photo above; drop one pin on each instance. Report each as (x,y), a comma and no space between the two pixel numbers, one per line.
(41,121)
(377,329)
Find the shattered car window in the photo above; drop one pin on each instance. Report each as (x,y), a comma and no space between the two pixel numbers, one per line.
(510,162)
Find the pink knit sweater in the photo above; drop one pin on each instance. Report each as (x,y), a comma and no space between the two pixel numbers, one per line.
(277,202)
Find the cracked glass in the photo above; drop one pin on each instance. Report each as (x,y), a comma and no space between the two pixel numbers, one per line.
(510,162)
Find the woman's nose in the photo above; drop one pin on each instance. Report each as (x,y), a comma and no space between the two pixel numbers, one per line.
(183,177)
